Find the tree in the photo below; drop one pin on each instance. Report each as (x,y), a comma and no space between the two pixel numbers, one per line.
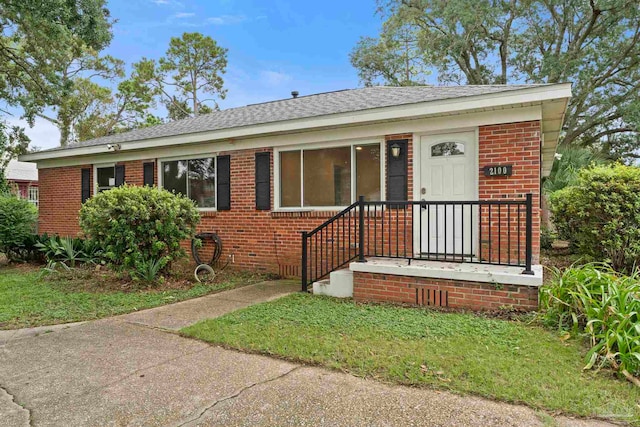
(36,40)
(125,110)
(594,44)
(79,94)
(192,67)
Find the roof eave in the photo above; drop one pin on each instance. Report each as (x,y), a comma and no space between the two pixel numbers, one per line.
(406,111)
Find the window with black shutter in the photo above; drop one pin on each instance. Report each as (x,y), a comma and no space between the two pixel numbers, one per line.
(147,174)
(224,183)
(119,171)
(397,170)
(85,183)
(263,181)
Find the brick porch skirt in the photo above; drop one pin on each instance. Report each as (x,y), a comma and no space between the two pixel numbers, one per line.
(423,291)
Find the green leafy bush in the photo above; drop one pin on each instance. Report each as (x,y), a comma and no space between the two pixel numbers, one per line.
(138,224)
(17,223)
(596,301)
(600,214)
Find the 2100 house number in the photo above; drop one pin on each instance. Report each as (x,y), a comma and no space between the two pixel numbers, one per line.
(501,170)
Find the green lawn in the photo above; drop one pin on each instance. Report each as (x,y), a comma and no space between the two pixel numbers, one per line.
(28,300)
(500,359)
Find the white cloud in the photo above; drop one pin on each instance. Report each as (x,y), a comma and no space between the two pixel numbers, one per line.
(274,78)
(227,19)
(184,15)
(43,134)
(159,2)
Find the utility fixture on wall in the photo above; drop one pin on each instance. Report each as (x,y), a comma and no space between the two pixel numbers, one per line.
(395,150)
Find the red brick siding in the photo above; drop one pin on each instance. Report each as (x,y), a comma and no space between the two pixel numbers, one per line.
(60,200)
(517,144)
(373,287)
(270,241)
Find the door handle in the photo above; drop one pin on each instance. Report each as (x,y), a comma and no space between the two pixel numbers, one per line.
(423,205)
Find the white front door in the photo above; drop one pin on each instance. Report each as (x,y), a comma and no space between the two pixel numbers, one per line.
(448,173)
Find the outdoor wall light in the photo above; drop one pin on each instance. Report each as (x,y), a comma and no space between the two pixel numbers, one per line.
(113,147)
(395,151)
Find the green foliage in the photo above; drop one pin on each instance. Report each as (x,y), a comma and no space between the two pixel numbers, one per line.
(600,214)
(598,302)
(191,68)
(13,142)
(148,271)
(547,236)
(568,162)
(137,224)
(68,252)
(36,41)
(593,44)
(17,222)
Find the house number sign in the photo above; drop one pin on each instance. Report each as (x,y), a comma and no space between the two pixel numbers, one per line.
(498,170)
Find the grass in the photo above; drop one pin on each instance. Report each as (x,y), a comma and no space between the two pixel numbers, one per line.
(504,360)
(27,299)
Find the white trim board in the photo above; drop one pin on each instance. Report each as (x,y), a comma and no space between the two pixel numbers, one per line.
(343,134)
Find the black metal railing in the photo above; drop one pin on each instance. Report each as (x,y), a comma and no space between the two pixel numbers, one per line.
(484,232)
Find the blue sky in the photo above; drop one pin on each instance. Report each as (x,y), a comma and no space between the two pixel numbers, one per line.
(275,46)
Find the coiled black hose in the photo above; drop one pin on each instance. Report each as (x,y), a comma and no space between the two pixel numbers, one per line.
(204,238)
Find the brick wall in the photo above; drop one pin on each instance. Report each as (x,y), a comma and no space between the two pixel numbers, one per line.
(60,200)
(517,144)
(270,241)
(374,287)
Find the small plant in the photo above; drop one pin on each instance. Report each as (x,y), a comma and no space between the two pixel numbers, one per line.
(148,271)
(68,252)
(17,224)
(595,301)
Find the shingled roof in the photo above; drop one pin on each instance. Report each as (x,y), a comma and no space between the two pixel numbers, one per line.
(321,104)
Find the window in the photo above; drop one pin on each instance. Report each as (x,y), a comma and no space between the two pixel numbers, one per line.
(195,178)
(33,196)
(447,149)
(329,177)
(105,178)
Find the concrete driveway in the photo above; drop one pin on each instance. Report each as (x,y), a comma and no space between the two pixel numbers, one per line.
(132,370)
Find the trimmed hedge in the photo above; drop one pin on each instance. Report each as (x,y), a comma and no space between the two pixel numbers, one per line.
(136,225)
(600,214)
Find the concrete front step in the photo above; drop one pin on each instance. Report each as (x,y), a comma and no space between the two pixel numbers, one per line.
(339,285)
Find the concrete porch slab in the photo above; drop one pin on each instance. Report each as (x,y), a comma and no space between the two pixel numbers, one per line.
(486,273)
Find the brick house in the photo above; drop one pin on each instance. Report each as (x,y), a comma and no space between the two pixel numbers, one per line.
(450,179)
(23,178)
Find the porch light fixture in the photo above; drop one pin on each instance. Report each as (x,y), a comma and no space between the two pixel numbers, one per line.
(395,151)
(113,147)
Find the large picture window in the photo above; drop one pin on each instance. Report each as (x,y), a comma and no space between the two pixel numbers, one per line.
(195,178)
(329,177)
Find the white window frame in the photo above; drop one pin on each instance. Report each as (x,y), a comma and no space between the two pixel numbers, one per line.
(95,174)
(31,191)
(191,157)
(315,146)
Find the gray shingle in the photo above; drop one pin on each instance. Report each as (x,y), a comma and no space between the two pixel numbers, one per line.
(302,107)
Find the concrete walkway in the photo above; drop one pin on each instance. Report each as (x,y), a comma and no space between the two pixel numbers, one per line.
(132,371)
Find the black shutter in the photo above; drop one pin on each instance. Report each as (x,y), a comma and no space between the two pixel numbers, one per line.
(397,172)
(85,184)
(223,184)
(119,175)
(147,174)
(263,181)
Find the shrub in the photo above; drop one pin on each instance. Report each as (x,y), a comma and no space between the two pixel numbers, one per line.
(600,214)
(596,301)
(137,224)
(17,224)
